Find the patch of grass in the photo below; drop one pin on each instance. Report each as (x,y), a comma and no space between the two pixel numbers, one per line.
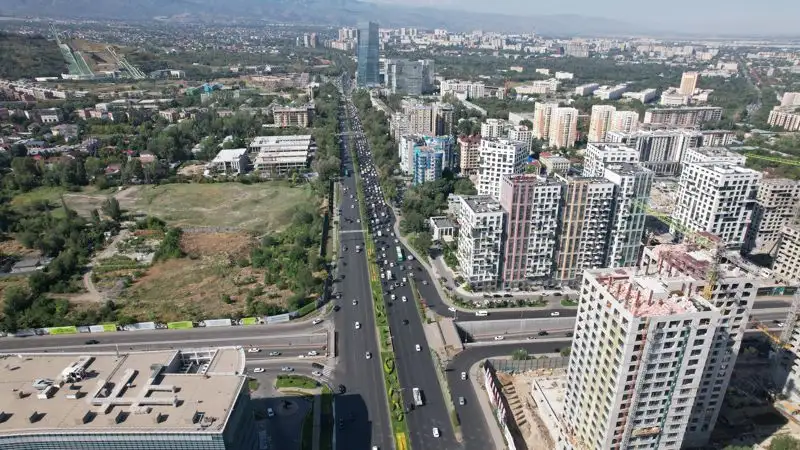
(295,381)
(260,207)
(568,303)
(51,195)
(252,384)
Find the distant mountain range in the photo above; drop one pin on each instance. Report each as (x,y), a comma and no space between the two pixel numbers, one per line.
(317,12)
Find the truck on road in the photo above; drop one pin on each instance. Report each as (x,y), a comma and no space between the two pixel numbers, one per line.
(417,396)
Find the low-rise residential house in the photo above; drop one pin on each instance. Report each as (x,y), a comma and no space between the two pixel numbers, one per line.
(50,115)
(67,131)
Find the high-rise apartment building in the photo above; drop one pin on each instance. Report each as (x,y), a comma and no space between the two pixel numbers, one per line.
(542,115)
(444,119)
(637,360)
(688,83)
(479,244)
(531,205)
(498,157)
(631,193)
(716,198)
(428,164)
(405,150)
(606,118)
(405,77)
(776,206)
(469,154)
(687,116)
(521,133)
(600,122)
(735,285)
(786,117)
(495,128)
(599,156)
(468,89)
(659,150)
(563,128)
(786,267)
(586,213)
(367,70)
(421,117)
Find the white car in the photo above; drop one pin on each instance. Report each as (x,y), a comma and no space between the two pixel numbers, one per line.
(270,412)
(391,264)
(358,325)
(253,350)
(405,280)
(555,314)
(418,348)
(316,373)
(316,321)
(258,370)
(499,338)
(451,309)
(394,296)
(435,432)
(404,298)
(368,355)
(383,276)
(463,375)
(313,353)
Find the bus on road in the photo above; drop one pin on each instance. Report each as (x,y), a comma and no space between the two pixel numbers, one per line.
(399,251)
(417,397)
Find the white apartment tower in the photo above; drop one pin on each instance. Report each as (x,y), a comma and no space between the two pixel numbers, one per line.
(479,247)
(499,157)
(600,122)
(716,198)
(542,115)
(777,202)
(659,150)
(599,156)
(563,128)
(625,121)
(521,133)
(637,360)
(786,267)
(494,128)
(631,194)
(735,285)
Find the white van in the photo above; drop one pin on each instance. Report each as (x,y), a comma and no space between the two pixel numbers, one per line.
(482,313)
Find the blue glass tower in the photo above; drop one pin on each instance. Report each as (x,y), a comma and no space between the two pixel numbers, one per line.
(368,73)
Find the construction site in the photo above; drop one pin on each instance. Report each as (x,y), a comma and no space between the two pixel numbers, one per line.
(89,61)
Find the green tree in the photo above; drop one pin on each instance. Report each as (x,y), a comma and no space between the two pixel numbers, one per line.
(519,354)
(784,442)
(112,209)
(566,351)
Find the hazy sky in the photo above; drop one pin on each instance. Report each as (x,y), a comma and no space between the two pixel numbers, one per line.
(747,16)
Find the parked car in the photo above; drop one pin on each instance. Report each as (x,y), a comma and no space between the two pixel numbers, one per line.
(258,370)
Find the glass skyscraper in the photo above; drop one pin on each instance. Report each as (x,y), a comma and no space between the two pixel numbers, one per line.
(368,55)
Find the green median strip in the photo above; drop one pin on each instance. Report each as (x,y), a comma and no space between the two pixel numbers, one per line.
(391,381)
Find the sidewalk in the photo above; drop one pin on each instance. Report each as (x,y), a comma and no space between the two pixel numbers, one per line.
(476,378)
(315,437)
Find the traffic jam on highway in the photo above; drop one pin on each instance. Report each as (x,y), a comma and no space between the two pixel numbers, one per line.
(396,269)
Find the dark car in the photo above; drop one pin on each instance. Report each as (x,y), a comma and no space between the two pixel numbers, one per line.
(543,333)
(92,342)
(405,321)
(337,307)
(342,389)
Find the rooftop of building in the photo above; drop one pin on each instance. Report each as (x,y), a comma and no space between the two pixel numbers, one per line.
(261,141)
(229,154)
(696,261)
(474,139)
(687,108)
(610,147)
(144,392)
(627,168)
(650,296)
(530,178)
(482,204)
(442,222)
(778,182)
(294,108)
(716,152)
(725,168)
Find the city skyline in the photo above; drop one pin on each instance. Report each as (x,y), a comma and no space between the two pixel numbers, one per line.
(707,18)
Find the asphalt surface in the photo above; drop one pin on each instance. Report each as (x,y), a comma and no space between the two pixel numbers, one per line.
(364,408)
(415,369)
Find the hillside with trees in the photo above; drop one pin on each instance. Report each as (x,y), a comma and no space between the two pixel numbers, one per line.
(28,57)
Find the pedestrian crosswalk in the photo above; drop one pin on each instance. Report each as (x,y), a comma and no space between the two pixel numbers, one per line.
(327,372)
